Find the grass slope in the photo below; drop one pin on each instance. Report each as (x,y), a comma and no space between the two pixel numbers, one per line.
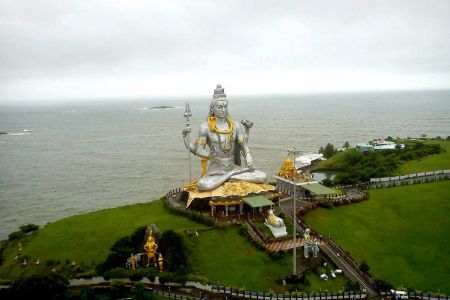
(226,257)
(401,232)
(223,256)
(434,162)
(87,238)
(216,255)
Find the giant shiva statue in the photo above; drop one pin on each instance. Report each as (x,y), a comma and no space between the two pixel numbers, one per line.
(227,141)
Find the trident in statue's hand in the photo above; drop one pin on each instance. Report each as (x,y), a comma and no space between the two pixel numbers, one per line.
(187,112)
(187,133)
(187,115)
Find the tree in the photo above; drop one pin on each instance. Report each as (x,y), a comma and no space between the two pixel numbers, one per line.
(174,252)
(40,286)
(346,145)
(328,151)
(327,182)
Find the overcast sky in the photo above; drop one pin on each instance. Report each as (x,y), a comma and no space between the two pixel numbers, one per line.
(86,49)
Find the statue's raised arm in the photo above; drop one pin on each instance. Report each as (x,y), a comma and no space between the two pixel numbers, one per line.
(227,142)
(198,147)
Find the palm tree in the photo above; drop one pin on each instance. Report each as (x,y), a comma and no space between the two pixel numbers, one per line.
(346,145)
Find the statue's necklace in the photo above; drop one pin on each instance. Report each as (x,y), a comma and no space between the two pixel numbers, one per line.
(212,124)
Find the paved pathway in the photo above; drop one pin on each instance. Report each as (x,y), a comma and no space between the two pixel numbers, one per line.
(345,263)
(348,269)
(283,245)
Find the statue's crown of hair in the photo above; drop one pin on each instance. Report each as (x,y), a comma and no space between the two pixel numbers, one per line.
(219,93)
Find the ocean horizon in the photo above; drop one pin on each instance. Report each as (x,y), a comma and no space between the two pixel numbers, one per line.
(65,159)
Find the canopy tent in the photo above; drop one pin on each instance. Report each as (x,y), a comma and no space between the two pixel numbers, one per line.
(318,189)
(257,201)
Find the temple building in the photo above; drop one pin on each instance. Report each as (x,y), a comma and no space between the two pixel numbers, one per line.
(305,186)
(234,198)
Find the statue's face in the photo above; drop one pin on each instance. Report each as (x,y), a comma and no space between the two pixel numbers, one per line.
(220,108)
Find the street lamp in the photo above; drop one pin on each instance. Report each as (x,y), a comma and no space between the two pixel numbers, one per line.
(294,152)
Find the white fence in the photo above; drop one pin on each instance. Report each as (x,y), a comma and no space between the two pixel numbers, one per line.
(421,177)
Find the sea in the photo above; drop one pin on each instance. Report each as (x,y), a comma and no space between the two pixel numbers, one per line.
(70,158)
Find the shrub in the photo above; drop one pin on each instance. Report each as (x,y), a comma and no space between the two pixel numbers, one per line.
(28,228)
(16,235)
(327,182)
(87,293)
(117,273)
(172,277)
(242,231)
(364,267)
(326,204)
(122,249)
(351,285)
(193,215)
(40,286)
(276,255)
(383,285)
(3,245)
(139,292)
(174,252)
(23,230)
(118,290)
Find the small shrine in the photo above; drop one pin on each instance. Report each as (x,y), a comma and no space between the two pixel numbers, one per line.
(150,258)
(275,224)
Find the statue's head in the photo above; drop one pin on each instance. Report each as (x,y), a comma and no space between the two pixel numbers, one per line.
(219,103)
(307,230)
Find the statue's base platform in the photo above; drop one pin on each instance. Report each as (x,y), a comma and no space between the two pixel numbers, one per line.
(277,232)
(230,189)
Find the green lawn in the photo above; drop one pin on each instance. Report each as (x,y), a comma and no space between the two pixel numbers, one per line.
(226,257)
(434,162)
(216,255)
(402,233)
(87,238)
(223,256)
(332,285)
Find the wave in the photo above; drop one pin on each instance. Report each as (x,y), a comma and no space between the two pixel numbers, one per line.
(20,133)
(162,107)
(25,131)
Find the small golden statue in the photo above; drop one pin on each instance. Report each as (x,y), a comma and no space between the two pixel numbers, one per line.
(133,261)
(161,262)
(150,246)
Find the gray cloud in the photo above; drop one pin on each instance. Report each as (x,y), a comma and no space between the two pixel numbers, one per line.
(48,48)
